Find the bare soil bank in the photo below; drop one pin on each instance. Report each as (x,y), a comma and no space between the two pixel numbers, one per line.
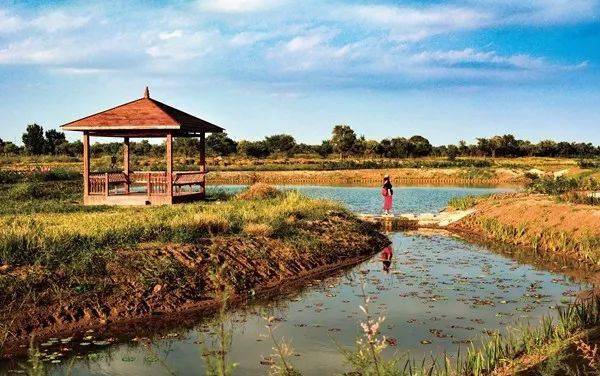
(253,266)
(373,177)
(538,222)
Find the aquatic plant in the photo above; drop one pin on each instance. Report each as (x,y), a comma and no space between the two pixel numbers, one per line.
(281,364)
(215,355)
(366,357)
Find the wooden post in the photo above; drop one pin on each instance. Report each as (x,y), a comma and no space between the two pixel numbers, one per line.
(203,162)
(86,165)
(106,184)
(126,163)
(169,165)
(148,186)
(203,152)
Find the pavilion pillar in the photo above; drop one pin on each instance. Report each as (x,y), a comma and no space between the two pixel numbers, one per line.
(86,165)
(126,163)
(203,152)
(169,147)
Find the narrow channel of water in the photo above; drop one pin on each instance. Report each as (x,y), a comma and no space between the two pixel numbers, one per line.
(440,293)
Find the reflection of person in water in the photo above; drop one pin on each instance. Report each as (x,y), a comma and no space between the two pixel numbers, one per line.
(386,258)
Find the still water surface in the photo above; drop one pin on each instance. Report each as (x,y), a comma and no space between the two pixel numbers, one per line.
(368,199)
(441,293)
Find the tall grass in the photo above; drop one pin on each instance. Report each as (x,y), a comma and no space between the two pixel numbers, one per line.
(55,238)
(545,240)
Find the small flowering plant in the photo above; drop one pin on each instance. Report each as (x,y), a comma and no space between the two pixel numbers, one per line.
(366,359)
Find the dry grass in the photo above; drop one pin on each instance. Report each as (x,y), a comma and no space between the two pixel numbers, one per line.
(258,229)
(259,191)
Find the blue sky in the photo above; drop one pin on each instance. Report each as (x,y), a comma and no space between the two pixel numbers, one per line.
(447,70)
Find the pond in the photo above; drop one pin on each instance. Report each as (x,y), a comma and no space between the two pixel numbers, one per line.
(368,199)
(441,293)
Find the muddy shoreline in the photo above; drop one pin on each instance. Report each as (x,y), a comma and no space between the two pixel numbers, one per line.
(129,308)
(186,317)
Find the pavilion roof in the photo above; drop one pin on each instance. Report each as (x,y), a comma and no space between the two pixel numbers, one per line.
(141,115)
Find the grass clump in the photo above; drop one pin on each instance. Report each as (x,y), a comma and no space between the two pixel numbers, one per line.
(259,191)
(464,202)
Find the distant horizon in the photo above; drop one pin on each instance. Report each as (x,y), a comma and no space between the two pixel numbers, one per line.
(445,70)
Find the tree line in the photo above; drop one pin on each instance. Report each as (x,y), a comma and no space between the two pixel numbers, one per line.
(344,142)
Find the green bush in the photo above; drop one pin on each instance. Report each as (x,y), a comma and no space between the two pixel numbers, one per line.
(589,163)
(26,191)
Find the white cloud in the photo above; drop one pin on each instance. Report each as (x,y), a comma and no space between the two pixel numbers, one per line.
(170,35)
(59,20)
(413,23)
(247,38)
(317,50)
(32,51)
(81,71)
(469,55)
(238,6)
(533,12)
(328,44)
(9,23)
(184,46)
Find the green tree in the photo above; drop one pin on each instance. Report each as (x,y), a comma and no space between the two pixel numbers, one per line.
(280,143)
(452,152)
(325,148)
(254,149)
(343,140)
(34,140)
(54,139)
(371,147)
(188,146)
(71,149)
(400,147)
(219,144)
(419,146)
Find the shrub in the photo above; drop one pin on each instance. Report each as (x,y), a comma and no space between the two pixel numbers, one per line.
(259,191)
(589,163)
(26,191)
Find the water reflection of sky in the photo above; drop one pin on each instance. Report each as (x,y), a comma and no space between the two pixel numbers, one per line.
(440,290)
(368,199)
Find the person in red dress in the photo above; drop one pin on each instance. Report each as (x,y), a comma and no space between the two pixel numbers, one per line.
(386,258)
(387,192)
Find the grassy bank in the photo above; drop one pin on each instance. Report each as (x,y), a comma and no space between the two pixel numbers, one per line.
(69,269)
(539,222)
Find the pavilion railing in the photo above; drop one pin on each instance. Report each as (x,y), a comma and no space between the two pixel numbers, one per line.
(186,182)
(152,183)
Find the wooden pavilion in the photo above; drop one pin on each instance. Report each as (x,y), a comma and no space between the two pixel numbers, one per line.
(143,118)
